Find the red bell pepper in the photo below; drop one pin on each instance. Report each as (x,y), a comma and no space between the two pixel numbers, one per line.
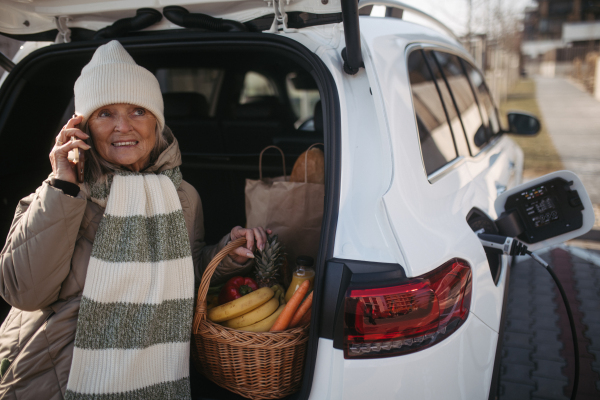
(235,288)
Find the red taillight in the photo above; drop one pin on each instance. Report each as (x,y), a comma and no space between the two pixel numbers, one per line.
(401,319)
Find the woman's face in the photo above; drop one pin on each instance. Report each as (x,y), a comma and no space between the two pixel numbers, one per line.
(123,134)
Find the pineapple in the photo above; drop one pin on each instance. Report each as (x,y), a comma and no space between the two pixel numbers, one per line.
(269,261)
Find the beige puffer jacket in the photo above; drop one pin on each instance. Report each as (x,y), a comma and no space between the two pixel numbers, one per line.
(43,269)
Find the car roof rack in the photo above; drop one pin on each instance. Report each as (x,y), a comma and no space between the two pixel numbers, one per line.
(405,7)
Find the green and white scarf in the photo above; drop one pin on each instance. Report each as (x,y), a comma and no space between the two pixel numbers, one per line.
(134,324)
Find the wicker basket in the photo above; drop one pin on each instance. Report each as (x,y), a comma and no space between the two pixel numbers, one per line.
(254,365)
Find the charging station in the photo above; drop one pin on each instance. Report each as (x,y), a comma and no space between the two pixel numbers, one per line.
(545,211)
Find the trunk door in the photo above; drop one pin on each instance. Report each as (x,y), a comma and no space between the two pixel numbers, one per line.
(24,19)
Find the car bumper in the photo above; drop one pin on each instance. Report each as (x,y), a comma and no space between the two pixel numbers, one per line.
(460,367)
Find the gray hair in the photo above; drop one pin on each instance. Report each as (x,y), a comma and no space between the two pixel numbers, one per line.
(96,167)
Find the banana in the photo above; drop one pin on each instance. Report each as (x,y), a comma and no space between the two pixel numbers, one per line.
(276,296)
(276,287)
(265,324)
(254,316)
(282,298)
(278,291)
(240,306)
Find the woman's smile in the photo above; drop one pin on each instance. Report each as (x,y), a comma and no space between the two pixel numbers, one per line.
(125,144)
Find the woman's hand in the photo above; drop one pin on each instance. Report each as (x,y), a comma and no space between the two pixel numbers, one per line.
(62,168)
(254,237)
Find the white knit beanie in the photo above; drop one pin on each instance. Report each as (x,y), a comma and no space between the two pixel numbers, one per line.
(113,77)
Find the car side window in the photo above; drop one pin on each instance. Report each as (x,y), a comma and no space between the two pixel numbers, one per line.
(435,135)
(470,114)
(486,104)
(197,85)
(303,96)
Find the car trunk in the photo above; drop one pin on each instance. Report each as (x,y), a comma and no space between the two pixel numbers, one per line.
(220,136)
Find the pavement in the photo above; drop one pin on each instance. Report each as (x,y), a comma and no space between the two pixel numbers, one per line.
(572,118)
(538,360)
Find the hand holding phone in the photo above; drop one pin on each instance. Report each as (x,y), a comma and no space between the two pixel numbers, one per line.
(67,155)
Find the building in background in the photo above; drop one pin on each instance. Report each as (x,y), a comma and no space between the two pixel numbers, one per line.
(546,21)
(556,24)
(562,38)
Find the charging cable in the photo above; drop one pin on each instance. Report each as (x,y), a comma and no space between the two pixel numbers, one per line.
(497,244)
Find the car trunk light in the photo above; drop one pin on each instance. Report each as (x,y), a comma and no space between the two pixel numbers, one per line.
(401,319)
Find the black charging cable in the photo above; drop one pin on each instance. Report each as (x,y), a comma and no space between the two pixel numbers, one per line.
(498,244)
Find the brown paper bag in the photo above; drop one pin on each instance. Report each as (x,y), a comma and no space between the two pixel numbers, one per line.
(293,210)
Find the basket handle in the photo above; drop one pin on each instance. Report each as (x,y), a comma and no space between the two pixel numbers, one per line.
(200,311)
(260,161)
(306,161)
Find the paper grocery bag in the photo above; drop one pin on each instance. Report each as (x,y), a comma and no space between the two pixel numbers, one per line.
(292,210)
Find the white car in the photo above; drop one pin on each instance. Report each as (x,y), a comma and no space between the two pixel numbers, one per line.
(408,303)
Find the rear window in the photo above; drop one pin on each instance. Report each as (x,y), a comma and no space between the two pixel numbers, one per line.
(435,135)
(453,116)
(462,92)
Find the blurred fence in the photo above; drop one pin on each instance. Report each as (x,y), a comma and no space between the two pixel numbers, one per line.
(500,65)
(578,63)
(502,72)
(584,70)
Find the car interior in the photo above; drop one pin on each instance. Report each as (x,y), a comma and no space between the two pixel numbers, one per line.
(223,107)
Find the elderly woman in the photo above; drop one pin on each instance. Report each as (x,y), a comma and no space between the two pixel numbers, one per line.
(101,274)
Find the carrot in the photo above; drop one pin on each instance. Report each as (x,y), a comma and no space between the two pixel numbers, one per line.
(306,304)
(283,321)
(306,319)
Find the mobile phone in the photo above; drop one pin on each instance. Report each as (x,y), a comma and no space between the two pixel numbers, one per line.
(78,158)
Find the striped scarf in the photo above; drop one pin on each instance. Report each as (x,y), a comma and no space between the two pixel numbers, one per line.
(134,325)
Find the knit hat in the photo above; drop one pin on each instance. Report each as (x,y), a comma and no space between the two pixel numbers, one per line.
(111,77)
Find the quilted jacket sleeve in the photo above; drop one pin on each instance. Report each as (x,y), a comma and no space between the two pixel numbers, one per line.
(36,258)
